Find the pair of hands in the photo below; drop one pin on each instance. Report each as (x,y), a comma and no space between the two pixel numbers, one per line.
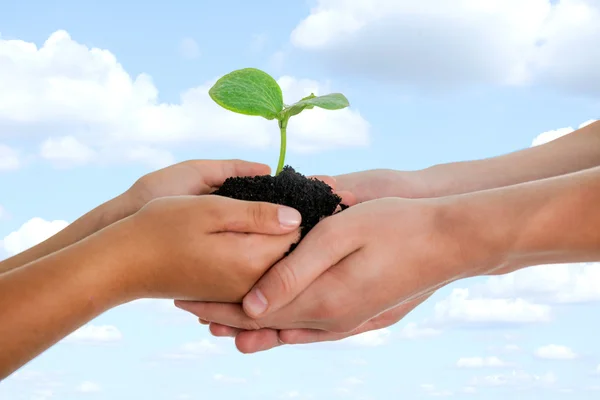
(322,291)
(360,270)
(172,229)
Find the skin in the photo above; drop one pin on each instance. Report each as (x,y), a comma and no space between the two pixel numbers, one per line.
(577,151)
(125,250)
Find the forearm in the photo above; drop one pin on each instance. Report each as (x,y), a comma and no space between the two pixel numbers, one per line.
(549,221)
(573,152)
(45,300)
(89,223)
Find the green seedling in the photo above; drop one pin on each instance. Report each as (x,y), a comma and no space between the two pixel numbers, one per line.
(251,91)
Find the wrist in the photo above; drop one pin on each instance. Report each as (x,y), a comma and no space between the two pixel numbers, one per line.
(117,257)
(481,238)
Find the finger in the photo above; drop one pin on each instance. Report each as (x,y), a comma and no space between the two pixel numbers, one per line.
(254,341)
(348,198)
(254,217)
(215,172)
(219,330)
(203,321)
(322,248)
(329,180)
(231,315)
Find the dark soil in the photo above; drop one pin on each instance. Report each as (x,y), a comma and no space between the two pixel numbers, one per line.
(313,198)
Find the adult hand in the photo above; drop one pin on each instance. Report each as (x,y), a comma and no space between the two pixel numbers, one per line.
(208,248)
(372,258)
(379,183)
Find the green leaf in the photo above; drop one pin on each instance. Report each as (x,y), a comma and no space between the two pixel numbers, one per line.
(333,101)
(248,91)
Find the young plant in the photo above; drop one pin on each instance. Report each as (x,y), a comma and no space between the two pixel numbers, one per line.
(251,91)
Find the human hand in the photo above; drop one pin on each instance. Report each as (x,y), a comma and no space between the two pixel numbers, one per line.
(251,341)
(380,183)
(208,248)
(192,177)
(405,249)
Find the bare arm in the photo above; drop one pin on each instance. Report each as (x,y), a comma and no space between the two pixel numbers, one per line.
(45,300)
(89,223)
(573,152)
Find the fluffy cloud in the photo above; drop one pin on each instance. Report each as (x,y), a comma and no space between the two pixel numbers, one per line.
(195,350)
(516,378)
(560,283)
(555,352)
(10,159)
(32,232)
(82,106)
(370,339)
(415,331)
(457,41)
(461,308)
(481,362)
(95,334)
(431,390)
(88,387)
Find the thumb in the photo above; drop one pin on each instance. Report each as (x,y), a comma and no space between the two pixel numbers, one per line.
(255,217)
(322,248)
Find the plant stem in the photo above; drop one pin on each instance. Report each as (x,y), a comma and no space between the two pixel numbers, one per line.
(283,130)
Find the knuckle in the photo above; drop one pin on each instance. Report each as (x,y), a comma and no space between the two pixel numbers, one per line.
(285,277)
(255,214)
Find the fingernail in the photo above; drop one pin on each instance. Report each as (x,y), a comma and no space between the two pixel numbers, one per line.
(255,302)
(289,217)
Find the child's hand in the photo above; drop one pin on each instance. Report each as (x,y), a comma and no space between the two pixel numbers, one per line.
(203,248)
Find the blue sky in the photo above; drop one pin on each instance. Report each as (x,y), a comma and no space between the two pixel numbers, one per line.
(429,82)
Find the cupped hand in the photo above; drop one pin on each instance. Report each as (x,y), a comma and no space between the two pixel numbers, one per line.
(372,258)
(380,183)
(209,248)
(192,177)
(252,341)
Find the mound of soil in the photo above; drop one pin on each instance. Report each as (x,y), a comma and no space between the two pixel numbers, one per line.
(314,199)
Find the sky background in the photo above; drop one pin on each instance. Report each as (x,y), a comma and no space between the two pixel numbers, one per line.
(95,94)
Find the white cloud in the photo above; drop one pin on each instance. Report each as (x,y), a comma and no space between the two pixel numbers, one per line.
(469,390)
(558,283)
(370,339)
(414,331)
(457,41)
(94,111)
(463,308)
(10,159)
(95,334)
(188,48)
(431,390)
(31,233)
(66,151)
(352,380)
(229,379)
(511,347)
(516,378)
(195,350)
(481,362)
(555,352)
(88,387)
